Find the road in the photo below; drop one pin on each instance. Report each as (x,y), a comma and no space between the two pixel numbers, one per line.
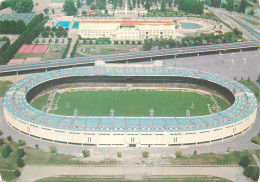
(32,173)
(225,16)
(129,56)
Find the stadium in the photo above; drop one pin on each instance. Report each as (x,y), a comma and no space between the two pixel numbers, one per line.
(133,128)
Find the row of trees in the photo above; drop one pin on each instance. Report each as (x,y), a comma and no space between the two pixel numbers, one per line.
(74,49)
(230,5)
(249,171)
(191,6)
(6,44)
(187,41)
(12,27)
(59,32)
(20,6)
(32,30)
(66,50)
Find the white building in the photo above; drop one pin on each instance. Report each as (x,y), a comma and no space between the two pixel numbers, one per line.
(127,29)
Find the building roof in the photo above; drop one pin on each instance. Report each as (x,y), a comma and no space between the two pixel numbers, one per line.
(130,22)
(2,43)
(26,17)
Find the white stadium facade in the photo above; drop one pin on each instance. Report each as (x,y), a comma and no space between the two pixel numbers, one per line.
(116,131)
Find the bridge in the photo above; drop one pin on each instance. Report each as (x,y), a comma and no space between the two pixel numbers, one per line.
(130,57)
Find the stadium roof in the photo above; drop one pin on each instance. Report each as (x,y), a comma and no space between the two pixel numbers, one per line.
(26,17)
(15,102)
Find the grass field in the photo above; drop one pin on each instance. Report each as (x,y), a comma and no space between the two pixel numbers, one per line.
(253,87)
(250,21)
(160,179)
(4,86)
(85,50)
(131,103)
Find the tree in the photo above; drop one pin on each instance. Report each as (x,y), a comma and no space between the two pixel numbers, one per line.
(17,173)
(46,11)
(20,153)
(145,154)
(163,6)
(45,34)
(36,146)
(50,41)
(6,151)
(230,5)
(53,11)
(20,6)
(178,154)
(244,162)
(251,12)
(238,32)
(243,6)
(20,26)
(83,13)
(2,142)
(86,153)
(119,154)
(21,142)
(1,132)
(78,3)
(54,29)
(249,171)
(52,149)
(52,34)
(20,162)
(93,7)
(9,138)
(36,41)
(69,8)
(147,5)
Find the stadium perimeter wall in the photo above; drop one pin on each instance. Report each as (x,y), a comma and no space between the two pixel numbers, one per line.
(138,138)
(130,139)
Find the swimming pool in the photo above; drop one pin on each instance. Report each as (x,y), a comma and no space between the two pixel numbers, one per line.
(65,24)
(75,25)
(187,25)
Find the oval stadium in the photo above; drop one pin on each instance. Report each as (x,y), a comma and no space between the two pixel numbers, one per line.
(161,118)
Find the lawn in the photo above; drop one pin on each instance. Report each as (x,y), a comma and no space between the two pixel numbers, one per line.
(4,86)
(26,55)
(41,101)
(133,103)
(250,21)
(231,158)
(255,89)
(85,50)
(55,52)
(150,179)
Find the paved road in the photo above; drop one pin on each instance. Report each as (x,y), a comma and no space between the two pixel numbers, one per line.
(32,173)
(124,56)
(225,16)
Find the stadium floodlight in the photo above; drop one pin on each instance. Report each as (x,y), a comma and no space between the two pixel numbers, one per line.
(75,113)
(187,113)
(151,113)
(112,112)
(219,109)
(43,109)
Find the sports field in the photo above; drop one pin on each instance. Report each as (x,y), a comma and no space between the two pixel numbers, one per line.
(131,103)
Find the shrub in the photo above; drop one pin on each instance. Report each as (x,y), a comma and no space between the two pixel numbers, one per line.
(139,42)
(145,154)
(20,162)
(178,154)
(255,139)
(86,153)
(20,153)
(127,42)
(17,173)
(119,154)
(244,162)
(6,151)
(252,172)
(21,142)
(52,149)
(2,142)
(9,138)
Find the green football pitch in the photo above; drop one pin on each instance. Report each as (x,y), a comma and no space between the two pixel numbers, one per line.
(131,103)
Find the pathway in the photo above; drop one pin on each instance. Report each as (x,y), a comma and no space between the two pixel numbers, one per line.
(31,173)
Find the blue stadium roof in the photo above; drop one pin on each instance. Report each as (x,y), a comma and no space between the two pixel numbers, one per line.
(15,102)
